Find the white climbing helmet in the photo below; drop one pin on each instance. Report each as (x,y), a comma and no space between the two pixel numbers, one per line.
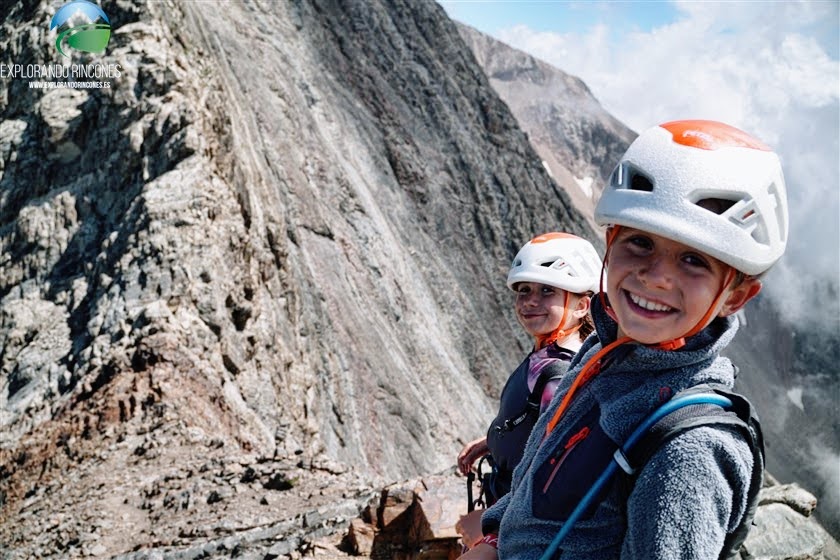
(557,259)
(704,184)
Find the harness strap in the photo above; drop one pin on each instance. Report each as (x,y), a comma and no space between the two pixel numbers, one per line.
(740,416)
(612,467)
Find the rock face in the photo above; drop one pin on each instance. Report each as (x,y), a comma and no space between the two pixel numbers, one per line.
(578,141)
(256,279)
(278,239)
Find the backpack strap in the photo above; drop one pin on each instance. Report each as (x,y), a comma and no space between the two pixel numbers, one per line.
(741,416)
(548,373)
(532,406)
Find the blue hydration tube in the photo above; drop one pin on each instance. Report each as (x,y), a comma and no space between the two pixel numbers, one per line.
(620,459)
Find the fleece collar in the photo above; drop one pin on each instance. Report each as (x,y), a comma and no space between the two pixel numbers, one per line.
(638,381)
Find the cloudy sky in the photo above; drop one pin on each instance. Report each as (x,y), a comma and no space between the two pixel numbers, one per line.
(767,67)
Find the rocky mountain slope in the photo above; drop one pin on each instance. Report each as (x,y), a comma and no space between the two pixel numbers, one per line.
(575,137)
(790,371)
(280,236)
(253,281)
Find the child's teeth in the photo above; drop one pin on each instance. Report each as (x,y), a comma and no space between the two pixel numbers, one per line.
(641,302)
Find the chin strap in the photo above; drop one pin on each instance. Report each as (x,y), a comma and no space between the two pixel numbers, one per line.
(676,343)
(701,324)
(558,333)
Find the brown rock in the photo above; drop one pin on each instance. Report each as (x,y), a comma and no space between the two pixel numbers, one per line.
(360,537)
(440,503)
(396,500)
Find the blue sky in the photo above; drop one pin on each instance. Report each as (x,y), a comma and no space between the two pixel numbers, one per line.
(563,16)
(768,67)
(492,17)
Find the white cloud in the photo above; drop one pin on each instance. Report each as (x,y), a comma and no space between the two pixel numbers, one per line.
(765,67)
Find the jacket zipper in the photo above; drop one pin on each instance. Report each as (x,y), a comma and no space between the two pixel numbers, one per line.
(558,461)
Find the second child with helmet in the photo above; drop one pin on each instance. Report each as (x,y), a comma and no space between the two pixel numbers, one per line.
(696,213)
(553,277)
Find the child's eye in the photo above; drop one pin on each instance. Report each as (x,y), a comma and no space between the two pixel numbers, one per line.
(640,241)
(547,290)
(695,260)
(522,290)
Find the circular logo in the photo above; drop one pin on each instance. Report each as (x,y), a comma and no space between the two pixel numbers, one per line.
(83,26)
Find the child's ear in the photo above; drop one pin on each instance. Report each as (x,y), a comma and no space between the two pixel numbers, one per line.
(582,307)
(740,295)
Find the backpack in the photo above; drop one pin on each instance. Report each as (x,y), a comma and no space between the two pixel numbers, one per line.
(741,416)
(492,485)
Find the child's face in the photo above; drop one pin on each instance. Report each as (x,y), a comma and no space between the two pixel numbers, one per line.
(539,307)
(660,289)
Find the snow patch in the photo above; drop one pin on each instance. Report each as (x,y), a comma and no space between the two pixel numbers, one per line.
(585,185)
(795,396)
(548,169)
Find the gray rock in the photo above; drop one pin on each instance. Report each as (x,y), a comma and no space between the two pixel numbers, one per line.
(781,533)
(792,495)
(278,239)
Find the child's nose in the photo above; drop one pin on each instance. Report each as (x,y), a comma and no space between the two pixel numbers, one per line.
(531,299)
(658,273)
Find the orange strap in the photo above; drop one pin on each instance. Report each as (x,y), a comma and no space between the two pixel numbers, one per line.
(590,370)
(559,334)
(593,366)
(680,342)
(730,276)
(550,338)
(676,343)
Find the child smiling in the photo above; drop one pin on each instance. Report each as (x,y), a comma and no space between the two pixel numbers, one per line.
(696,212)
(553,277)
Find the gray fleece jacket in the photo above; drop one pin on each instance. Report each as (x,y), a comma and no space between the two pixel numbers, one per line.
(689,494)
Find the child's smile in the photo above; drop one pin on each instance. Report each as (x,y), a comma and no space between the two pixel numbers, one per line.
(651,306)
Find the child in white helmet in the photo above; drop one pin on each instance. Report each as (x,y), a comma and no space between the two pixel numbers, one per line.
(697,211)
(553,276)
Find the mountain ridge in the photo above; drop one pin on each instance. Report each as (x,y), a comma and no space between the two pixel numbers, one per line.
(259,277)
(578,141)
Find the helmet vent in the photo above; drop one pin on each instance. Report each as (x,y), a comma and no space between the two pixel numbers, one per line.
(617,176)
(558,264)
(626,176)
(742,213)
(716,205)
(639,182)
